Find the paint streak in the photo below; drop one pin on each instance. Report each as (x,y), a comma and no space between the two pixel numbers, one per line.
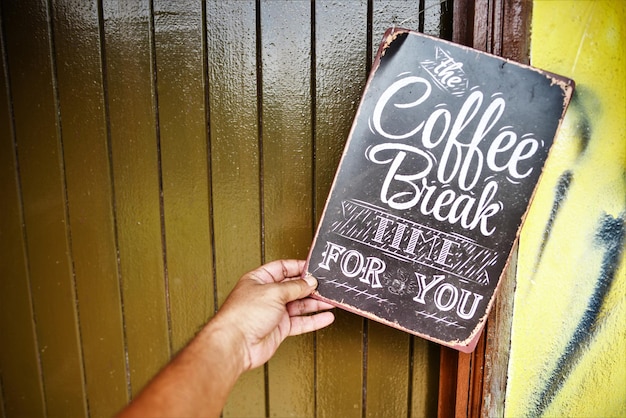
(610,235)
(585,103)
(560,194)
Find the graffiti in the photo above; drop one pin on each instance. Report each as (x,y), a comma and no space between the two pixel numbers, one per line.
(584,103)
(610,235)
(568,335)
(560,194)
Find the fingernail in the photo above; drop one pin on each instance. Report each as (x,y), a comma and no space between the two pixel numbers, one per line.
(311,281)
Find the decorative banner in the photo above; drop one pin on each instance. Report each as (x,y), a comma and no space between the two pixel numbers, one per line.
(438,171)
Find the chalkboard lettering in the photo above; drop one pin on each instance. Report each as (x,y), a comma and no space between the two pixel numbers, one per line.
(438,172)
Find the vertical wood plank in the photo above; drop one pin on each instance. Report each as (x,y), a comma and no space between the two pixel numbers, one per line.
(184,159)
(448,366)
(489,24)
(135,163)
(463,385)
(476,394)
(340,74)
(2,413)
(516,30)
(483,18)
(235,165)
(498,344)
(286,115)
(425,378)
(387,371)
(77,42)
(287,181)
(21,381)
(37,131)
(463,23)
(339,389)
(469,386)
(496,40)
(232,70)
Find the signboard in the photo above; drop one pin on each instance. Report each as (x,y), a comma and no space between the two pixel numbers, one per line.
(437,174)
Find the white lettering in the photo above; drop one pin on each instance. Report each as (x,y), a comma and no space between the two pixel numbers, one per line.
(446,296)
(353,264)
(440,294)
(388,94)
(462,158)
(460,309)
(424,287)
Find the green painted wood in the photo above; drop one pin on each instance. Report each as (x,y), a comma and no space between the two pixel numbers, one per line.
(235,165)
(286,130)
(136,177)
(89,193)
(189,172)
(424,379)
(184,162)
(40,159)
(287,181)
(340,379)
(387,371)
(234,127)
(21,383)
(340,74)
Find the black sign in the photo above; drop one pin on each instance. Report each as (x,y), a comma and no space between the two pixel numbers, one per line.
(437,174)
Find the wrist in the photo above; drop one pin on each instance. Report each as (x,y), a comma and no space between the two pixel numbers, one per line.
(226,344)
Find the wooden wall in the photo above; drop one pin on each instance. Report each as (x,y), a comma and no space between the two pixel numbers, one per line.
(153,151)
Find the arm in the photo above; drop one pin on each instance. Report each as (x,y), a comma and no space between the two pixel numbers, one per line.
(266,306)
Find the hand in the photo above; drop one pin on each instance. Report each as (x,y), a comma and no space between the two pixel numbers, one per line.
(269,304)
(266,306)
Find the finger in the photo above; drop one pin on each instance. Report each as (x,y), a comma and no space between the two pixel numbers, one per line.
(278,270)
(306,306)
(304,324)
(291,290)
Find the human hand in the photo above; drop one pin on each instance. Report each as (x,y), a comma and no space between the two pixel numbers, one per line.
(269,304)
(266,306)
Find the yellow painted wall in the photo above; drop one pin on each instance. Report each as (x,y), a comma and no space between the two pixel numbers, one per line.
(568,350)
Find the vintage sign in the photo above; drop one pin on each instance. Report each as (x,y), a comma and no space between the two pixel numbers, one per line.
(437,174)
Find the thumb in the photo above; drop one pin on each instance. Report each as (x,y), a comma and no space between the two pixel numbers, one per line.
(291,290)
